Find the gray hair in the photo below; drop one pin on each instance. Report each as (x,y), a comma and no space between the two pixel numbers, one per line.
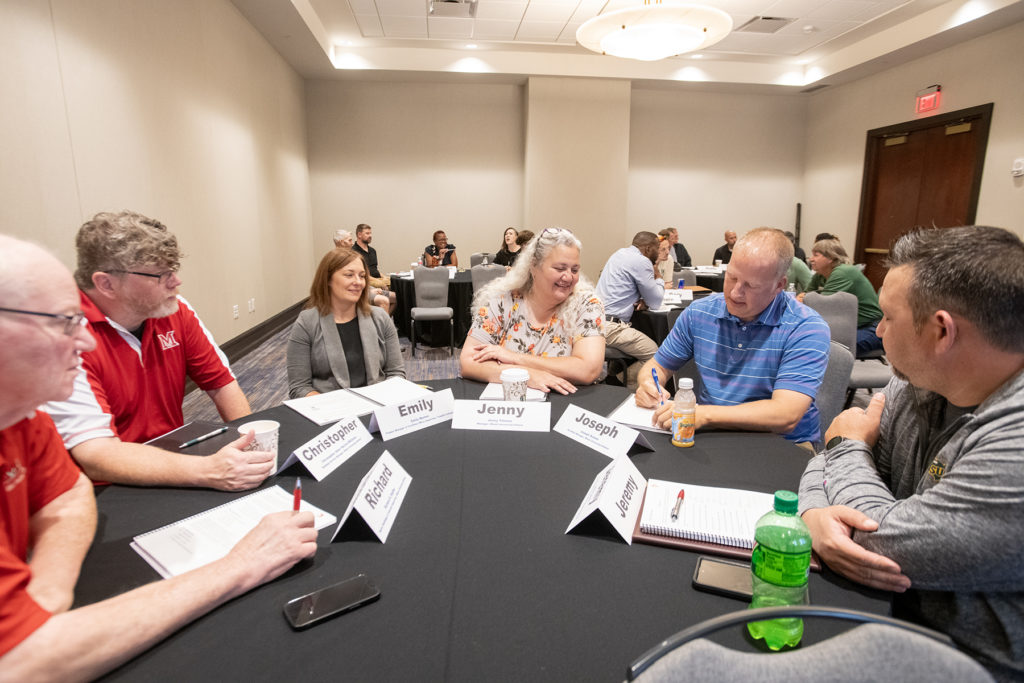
(769,242)
(123,241)
(832,250)
(340,236)
(976,272)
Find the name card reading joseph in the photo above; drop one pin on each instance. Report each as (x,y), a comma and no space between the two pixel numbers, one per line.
(616,494)
(402,418)
(325,452)
(600,433)
(379,495)
(518,416)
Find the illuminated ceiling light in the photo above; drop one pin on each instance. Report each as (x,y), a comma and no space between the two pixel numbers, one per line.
(471,46)
(654,30)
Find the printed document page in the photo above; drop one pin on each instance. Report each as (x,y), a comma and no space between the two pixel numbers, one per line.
(392,390)
(632,415)
(332,406)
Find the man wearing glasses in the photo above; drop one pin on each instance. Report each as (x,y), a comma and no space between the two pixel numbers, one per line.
(148,340)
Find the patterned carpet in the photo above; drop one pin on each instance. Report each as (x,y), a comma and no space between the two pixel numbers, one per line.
(263,375)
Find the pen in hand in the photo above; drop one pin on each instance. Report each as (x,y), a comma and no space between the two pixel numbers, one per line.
(297,495)
(657,385)
(204,437)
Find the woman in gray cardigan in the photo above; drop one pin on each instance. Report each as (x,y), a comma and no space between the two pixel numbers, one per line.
(341,340)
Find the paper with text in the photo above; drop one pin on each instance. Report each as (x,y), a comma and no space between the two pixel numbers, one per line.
(378,497)
(326,451)
(402,418)
(632,415)
(616,494)
(518,416)
(602,434)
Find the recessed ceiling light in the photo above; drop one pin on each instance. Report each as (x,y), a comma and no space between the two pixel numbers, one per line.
(471,46)
(696,56)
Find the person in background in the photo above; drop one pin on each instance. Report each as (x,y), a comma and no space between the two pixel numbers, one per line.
(509,252)
(663,264)
(524,237)
(542,316)
(799,275)
(677,253)
(833,273)
(761,355)
(797,251)
(341,340)
(343,238)
(922,492)
(49,512)
(149,340)
(440,253)
(825,236)
(380,287)
(724,252)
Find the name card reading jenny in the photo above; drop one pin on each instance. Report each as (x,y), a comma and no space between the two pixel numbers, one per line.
(402,418)
(600,433)
(377,499)
(616,493)
(325,452)
(519,416)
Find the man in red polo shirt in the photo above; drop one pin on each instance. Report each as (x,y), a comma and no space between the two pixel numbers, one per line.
(48,513)
(148,340)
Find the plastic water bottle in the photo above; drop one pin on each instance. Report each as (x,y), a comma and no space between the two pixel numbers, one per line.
(779,566)
(684,414)
(791,290)
(419,261)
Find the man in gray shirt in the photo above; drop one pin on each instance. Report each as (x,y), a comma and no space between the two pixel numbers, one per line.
(922,493)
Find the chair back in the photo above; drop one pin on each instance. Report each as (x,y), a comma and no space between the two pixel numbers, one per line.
(483,274)
(431,286)
(840,312)
(832,393)
(477,258)
(688,278)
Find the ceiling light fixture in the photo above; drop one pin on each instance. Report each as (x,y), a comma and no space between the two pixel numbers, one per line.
(654,30)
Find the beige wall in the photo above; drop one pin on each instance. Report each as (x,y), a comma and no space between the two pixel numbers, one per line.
(707,162)
(179,110)
(987,69)
(412,158)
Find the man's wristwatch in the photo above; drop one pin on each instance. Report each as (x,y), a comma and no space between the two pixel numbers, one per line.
(834,441)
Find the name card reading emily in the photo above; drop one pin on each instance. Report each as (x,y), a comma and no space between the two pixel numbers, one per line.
(600,433)
(379,495)
(402,418)
(616,494)
(518,416)
(325,452)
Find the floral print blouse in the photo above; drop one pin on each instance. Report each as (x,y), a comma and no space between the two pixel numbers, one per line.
(504,321)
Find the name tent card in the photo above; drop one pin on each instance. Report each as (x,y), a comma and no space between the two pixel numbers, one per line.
(402,418)
(376,501)
(602,434)
(512,416)
(325,452)
(616,494)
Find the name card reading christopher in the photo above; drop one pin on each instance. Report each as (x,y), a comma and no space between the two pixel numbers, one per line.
(600,433)
(519,416)
(402,418)
(325,452)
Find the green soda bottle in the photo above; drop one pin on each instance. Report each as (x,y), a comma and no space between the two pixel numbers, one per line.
(779,566)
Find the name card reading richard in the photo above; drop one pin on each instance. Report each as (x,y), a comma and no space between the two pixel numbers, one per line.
(325,452)
(600,433)
(377,498)
(616,494)
(517,416)
(402,418)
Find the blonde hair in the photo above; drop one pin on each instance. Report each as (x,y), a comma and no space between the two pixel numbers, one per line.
(832,250)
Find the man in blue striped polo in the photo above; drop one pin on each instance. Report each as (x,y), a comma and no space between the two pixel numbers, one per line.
(760,354)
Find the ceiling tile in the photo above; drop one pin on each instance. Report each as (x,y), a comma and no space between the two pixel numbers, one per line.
(362,7)
(836,10)
(548,13)
(369,25)
(485,29)
(755,7)
(404,27)
(539,31)
(402,8)
(792,8)
(500,10)
(740,42)
(449,27)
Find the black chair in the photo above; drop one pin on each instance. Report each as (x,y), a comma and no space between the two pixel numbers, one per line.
(617,362)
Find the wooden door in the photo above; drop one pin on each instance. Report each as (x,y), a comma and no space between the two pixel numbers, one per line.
(919,173)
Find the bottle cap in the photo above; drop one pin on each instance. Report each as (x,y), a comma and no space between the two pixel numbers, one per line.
(785,502)
(685,383)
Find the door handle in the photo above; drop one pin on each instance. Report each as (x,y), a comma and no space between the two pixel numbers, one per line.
(869,250)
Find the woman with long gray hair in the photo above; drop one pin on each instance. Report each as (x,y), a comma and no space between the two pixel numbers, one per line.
(542,316)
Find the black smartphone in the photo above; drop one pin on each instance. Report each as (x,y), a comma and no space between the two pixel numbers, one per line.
(724,577)
(331,601)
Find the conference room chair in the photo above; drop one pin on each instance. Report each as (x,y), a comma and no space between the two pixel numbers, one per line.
(431,290)
(831,396)
(618,362)
(483,274)
(477,258)
(687,278)
(882,649)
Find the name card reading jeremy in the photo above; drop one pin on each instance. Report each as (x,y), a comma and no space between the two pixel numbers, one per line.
(616,494)
(325,452)
(517,416)
(401,418)
(600,433)
(375,504)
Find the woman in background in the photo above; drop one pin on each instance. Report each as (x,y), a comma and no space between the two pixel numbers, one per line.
(343,238)
(341,340)
(542,316)
(509,251)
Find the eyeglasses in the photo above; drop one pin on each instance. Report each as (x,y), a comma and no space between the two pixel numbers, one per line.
(162,277)
(71,322)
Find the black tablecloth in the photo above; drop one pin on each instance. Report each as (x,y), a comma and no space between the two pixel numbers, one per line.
(478,579)
(712,282)
(460,297)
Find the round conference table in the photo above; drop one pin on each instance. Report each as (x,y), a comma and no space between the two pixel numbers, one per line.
(478,579)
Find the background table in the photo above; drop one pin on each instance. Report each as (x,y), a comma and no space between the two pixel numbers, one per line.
(460,297)
(478,579)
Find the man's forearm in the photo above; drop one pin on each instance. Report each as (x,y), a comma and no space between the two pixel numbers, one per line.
(119,462)
(778,414)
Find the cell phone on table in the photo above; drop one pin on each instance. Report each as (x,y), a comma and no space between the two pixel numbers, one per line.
(723,577)
(312,608)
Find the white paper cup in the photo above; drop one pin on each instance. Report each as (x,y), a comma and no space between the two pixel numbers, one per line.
(267,432)
(718,263)
(513,383)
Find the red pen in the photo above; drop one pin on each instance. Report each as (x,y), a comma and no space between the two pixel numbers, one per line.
(679,502)
(297,495)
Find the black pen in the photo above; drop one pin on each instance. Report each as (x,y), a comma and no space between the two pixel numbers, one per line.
(204,437)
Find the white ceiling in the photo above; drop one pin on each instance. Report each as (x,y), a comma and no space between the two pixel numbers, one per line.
(828,41)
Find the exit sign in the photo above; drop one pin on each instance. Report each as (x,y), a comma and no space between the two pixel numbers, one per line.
(928,99)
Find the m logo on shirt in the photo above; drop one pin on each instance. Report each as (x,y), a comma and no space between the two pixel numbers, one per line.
(167,341)
(13,476)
